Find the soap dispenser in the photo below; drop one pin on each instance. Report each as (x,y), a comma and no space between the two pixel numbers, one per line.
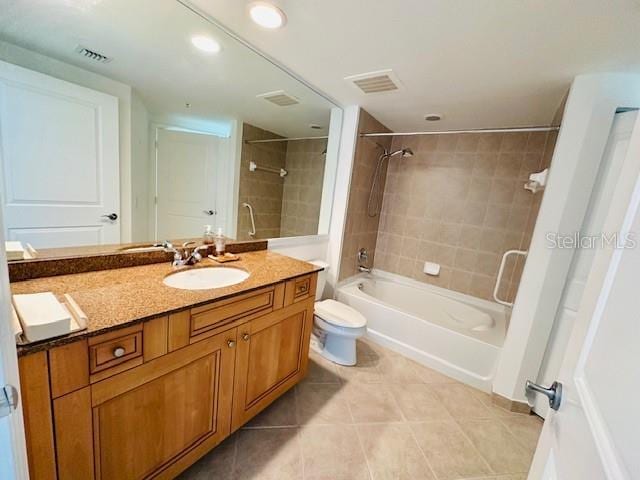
(208,237)
(220,242)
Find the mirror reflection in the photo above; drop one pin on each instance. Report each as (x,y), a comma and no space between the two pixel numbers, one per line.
(136,122)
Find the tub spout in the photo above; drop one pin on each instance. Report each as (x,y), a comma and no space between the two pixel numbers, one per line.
(364,269)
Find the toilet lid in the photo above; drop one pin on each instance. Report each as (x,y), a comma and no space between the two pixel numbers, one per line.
(339,314)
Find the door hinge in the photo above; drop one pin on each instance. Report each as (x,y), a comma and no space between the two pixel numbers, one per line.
(8,400)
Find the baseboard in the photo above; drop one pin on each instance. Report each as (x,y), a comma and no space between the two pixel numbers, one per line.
(510,405)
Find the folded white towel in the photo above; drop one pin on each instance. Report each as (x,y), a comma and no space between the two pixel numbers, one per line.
(15,250)
(42,316)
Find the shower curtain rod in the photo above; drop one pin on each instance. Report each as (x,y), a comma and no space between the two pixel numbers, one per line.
(269,140)
(473,130)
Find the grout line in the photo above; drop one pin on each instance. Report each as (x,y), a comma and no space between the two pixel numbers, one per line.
(355,428)
(464,434)
(424,455)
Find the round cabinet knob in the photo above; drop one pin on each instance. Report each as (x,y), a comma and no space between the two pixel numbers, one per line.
(118,352)
(246,337)
(231,343)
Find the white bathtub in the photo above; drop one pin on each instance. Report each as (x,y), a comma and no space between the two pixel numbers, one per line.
(455,334)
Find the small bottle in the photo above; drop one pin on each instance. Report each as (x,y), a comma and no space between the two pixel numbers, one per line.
(220,242)
(208,236)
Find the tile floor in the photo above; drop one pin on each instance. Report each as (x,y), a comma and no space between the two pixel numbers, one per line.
(386,418)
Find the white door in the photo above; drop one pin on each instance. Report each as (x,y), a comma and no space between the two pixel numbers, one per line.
(187,173)
(594,434)
(615,164)
(13,454)
(59,159)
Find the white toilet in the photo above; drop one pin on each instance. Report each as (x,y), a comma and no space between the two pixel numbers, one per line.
(339,324)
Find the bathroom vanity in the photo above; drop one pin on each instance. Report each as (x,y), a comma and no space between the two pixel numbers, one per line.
(161,375)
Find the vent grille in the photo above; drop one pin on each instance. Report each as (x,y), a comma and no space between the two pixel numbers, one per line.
(280,98)
(92,54)
(375,82)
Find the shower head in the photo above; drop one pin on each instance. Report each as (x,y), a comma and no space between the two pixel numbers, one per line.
(406,152)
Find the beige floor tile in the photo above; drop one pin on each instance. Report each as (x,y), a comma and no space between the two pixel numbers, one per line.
(497,445)
(269,453)
(495,410)
(370,403)
(216,465)
(365,371)
(461,402)
(321,403)
(448,451)
(397,369)
(515,476)
(280,413)
(418,402)
(332,452)
(392,453)
(526,429)
(428,375)
(368,348)
(321,371)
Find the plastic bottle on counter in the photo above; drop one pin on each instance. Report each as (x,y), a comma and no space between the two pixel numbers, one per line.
(220,242)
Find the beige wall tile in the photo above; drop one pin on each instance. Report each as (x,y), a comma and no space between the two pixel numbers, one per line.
(458,201)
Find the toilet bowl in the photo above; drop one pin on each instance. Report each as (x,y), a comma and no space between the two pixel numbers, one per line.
(339,325)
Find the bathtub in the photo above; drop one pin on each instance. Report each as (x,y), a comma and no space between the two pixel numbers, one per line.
(455,334)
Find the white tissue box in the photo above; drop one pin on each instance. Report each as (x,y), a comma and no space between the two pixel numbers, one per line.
(42,316)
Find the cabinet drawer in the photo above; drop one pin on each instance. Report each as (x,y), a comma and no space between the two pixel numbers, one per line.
(300,289)
(225,312)
(122,348)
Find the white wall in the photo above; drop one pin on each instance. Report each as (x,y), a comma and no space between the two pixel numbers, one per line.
(588,117)
(348,140)
(328,247)
(40,63)
(140,166)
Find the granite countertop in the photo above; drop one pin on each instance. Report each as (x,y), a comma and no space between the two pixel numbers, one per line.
(115,298)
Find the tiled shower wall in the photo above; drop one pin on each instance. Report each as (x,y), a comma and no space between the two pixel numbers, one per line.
(302,191)
(262,190)
(460,202)
(361,231)
(283,207)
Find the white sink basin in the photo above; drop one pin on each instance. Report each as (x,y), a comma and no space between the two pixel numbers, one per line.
(205,278)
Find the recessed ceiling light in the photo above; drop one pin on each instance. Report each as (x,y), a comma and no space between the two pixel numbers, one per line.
(267,15)
(205,43)
(433,117)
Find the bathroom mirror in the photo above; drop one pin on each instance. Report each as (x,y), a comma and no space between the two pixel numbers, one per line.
(135,122)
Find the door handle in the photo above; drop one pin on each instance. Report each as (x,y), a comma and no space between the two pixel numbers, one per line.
(112,216)
(209,212)
(553,393)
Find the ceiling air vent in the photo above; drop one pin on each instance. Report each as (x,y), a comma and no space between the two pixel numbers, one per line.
(375,82)
(280,98)
(92,54)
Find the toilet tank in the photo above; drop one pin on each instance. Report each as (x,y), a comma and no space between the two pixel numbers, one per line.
(322,277)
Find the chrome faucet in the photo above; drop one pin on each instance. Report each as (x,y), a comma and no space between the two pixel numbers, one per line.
(363,260)
(187,256)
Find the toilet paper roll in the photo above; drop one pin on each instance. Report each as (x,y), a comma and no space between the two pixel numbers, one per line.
(431,268)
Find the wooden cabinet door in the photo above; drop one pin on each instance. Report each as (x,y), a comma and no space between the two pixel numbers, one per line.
(272,356)
(147,418)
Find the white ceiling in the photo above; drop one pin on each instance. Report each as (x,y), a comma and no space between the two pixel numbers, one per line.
(481,63)
(150,43)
